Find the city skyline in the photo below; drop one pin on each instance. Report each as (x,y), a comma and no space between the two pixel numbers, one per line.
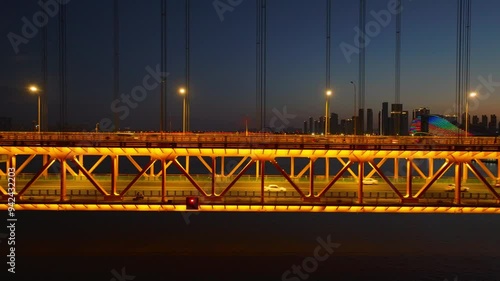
(224,99)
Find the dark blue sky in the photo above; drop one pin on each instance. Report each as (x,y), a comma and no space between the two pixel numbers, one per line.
(223,60)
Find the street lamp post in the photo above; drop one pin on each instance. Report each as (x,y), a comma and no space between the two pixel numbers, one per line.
(471,95)
(354,121)
(182,91)
(327,109)
(36,91)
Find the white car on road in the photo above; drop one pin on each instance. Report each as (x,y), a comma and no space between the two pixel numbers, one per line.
(451,187)
(370,181)
(274,187)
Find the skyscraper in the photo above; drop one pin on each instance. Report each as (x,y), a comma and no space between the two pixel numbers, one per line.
(423,113)
(396,112)
(369,121)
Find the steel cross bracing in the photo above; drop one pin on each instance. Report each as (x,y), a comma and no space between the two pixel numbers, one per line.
(309,187)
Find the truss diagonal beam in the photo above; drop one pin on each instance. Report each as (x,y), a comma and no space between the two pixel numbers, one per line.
(485,169)
(166,167)
(25,163)
(205,164)
(481,178)
(434,178)
(416,168)
(287,177)
(188,176)
(238,166)
(335,178)
(381,174)
(137,166)
(37,175)
(379,164)
(134,180)
(89,177)
(350,170)
(303,171)
(238,176)
(97,163)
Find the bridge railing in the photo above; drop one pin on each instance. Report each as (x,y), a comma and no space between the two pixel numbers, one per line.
(222,138)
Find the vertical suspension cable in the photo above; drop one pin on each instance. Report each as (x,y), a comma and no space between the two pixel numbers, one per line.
(258,89)
(264,62)
(116,60)
(163,51)
(62,68)
(328,42)
(188,90)
(398,54)
(44,93)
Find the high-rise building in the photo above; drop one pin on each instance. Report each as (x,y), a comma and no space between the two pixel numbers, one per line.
(422,113)
(396,112)
(404,130)
(385,119)
(369,121)
(484,121)
(334,123)
(493,123)
(321,125)
(311,125)
(304,130)
(316,127)
(475,120)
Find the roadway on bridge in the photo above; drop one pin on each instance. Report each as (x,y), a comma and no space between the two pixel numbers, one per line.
(248,186)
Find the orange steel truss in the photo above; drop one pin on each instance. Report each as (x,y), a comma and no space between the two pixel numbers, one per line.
(368,154)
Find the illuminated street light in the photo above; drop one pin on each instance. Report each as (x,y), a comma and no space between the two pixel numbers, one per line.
(35,90)
(471,95)
(328,94)
(182,91)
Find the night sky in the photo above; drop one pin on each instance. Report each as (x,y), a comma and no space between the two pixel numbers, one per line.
(223,60)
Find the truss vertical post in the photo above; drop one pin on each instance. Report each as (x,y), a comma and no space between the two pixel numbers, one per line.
(114,174)
(396,169)
(465,172)
(163,180)
(152,171)
(327,169)
(257,167)
(311,176)
(361,172)
(292,167)
(222,174)
(11,163)
(431,168)
(187,164)
(80,174)
(63,179)
(213,176)
(458,183)
(262,179)
(409,193)
(498,169)
(45,159)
